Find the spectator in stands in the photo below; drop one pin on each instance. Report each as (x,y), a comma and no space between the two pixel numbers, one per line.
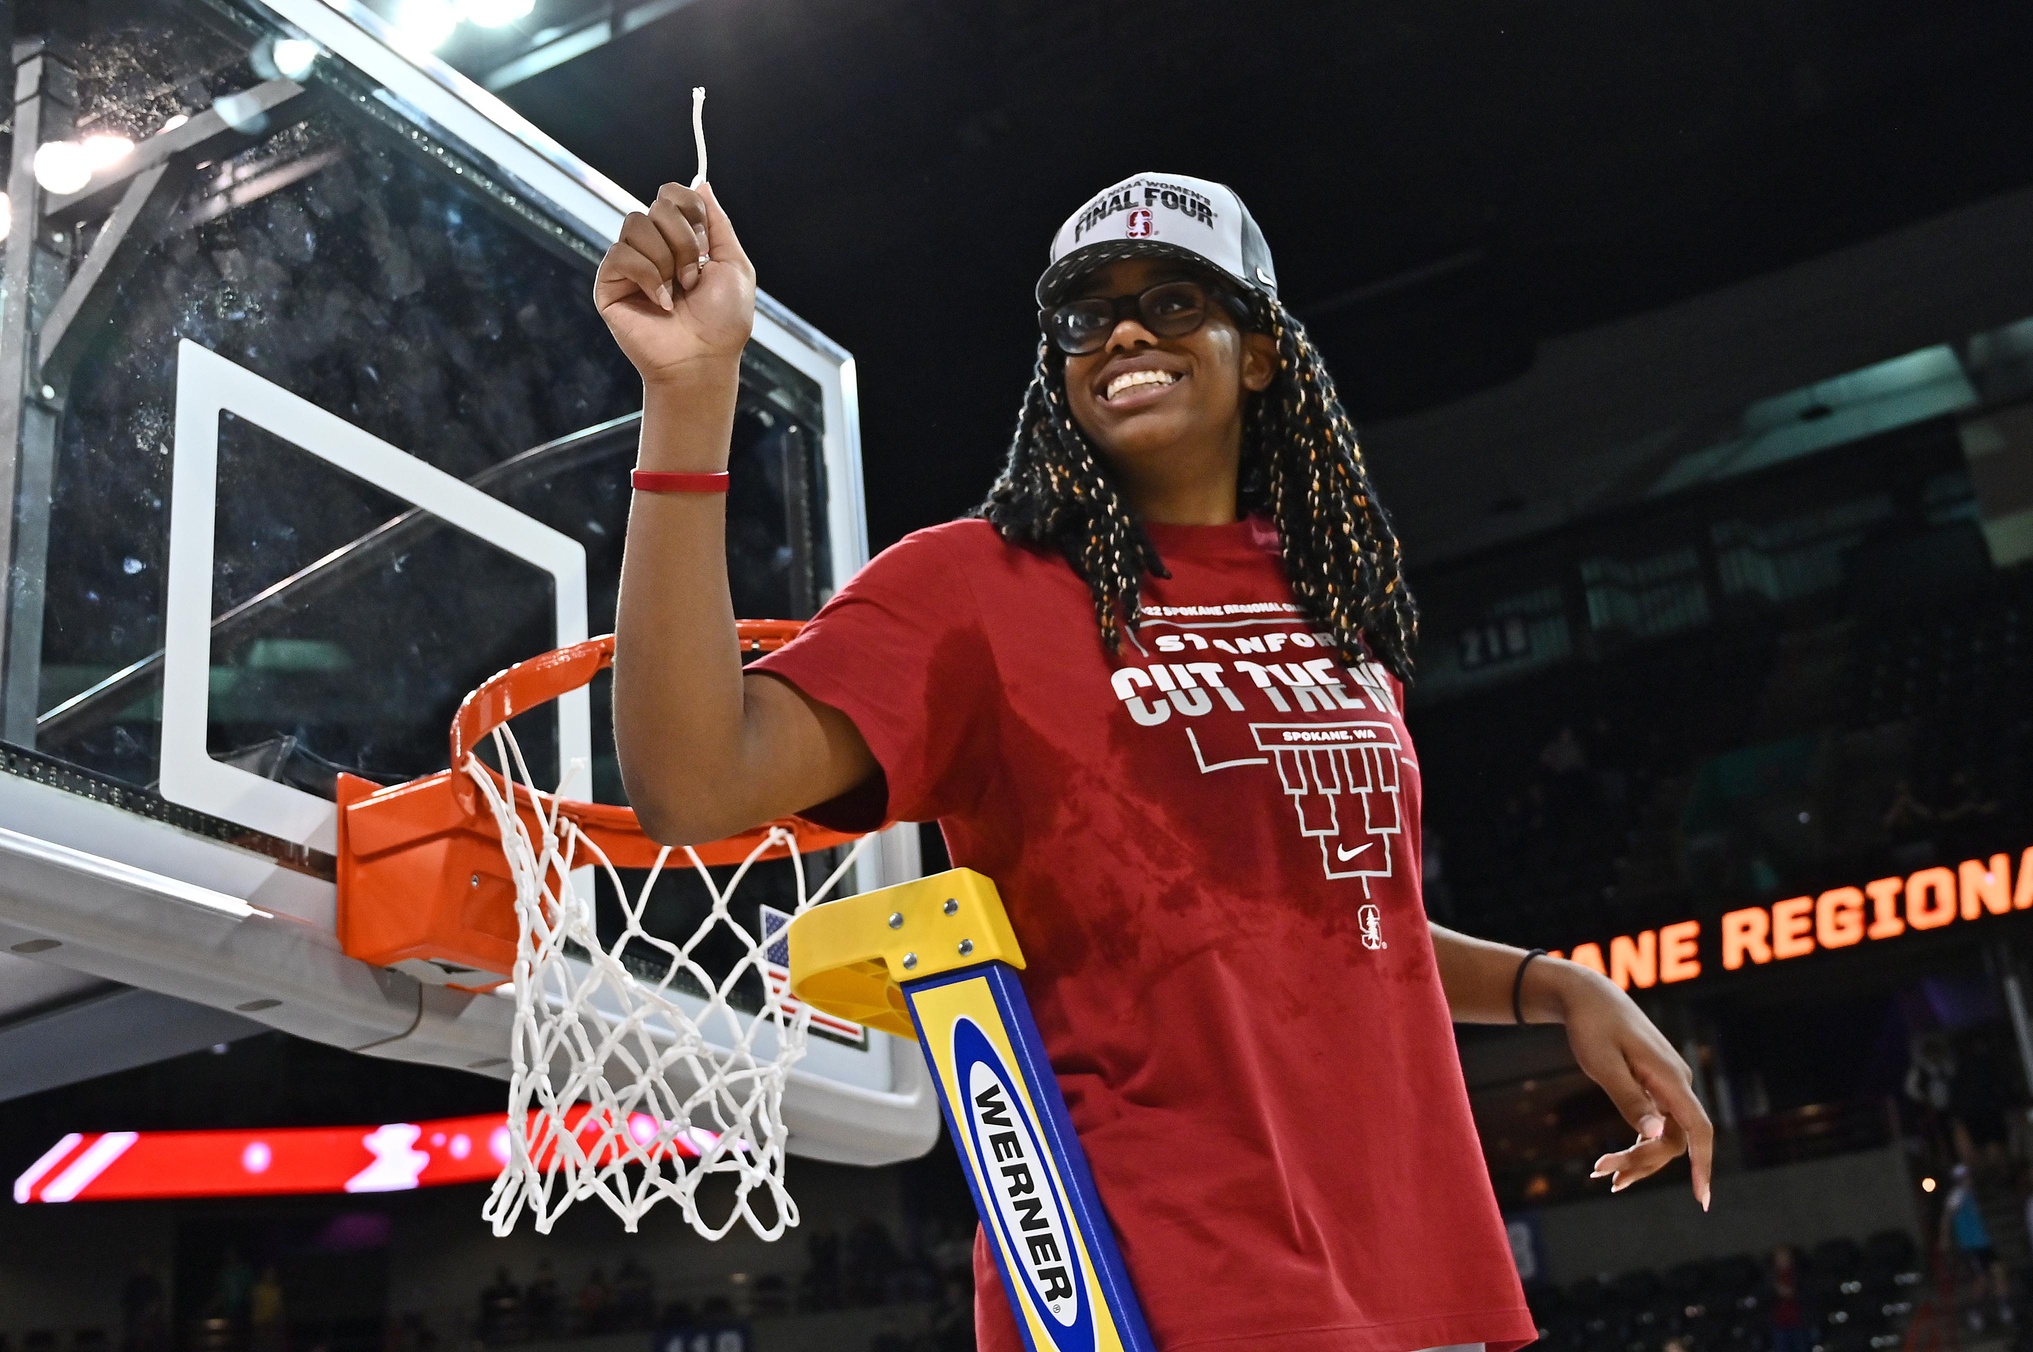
(1966,1236)
(1968,816)
(1564,755)
(1907,814)
(634,1296)
(1612,784)
(772,1294)
(952,1319)
(822,1277)
(1572,788)
(1966,799)
(145,1320)
(870,1258)
(952,1251)
(1764,878)
(540,1302)
(410,1333)
(595,1303)
(1433,870)
(500,1309)
(1930,1072)
(267,1328)
(235,1285)
(1789,1319)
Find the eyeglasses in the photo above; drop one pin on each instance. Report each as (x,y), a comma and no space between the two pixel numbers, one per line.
(1168,310)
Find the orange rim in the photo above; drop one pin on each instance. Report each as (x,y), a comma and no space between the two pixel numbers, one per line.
(531,684)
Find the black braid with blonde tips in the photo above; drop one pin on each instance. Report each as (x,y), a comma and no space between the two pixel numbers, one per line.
(1301,466)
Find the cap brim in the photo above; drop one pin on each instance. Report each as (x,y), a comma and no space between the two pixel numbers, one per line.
(1059,277)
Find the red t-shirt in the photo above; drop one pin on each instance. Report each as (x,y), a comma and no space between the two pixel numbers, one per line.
(1209,849)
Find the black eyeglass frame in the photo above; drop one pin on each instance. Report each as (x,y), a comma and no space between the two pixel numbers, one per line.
(1124,307)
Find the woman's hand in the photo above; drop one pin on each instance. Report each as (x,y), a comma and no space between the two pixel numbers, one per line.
(1612,1040)
(1620,1049)
(674,316)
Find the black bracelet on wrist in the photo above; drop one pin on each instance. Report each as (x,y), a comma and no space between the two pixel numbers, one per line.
(1518,984)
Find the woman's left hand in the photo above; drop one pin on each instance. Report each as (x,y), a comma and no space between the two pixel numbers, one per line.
(1649,1082)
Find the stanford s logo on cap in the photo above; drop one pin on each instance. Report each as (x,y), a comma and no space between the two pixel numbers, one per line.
(1192,220)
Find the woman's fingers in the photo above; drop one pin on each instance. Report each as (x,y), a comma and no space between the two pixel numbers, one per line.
(640,232)
(1612,1072)
(1619,1048)
(1672,1087)
(1653,1090)
(1659,1143)
(624,272)
(666,308)
(680,222)
(680,228)
(721,240)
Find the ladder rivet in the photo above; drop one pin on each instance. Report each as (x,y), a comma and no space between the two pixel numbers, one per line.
(966,947)
(910,961)
(952,906)
(896,919)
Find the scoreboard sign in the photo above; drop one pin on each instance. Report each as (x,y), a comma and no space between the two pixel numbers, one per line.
(1841,917)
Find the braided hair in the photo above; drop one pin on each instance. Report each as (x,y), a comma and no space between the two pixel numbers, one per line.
(1301,466)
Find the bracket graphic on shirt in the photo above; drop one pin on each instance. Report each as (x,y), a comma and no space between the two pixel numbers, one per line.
(1342,779)
(1342,776)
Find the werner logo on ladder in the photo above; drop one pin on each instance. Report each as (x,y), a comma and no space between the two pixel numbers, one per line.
(936,959)
(1025,1187)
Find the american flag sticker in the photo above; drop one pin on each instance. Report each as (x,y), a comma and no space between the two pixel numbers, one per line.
(776,976)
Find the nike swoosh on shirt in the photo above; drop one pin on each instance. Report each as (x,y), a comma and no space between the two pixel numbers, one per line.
(1343,854)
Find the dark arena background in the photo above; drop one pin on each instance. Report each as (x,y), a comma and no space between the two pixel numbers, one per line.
(1692,353)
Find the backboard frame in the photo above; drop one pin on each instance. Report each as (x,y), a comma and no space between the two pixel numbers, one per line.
(209,385)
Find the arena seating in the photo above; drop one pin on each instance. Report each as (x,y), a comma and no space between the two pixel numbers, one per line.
(1918,737)
(1854,1298)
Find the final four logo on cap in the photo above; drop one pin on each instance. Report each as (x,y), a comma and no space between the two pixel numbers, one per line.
(1161,216)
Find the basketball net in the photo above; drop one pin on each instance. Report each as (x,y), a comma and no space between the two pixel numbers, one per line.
(636,1076)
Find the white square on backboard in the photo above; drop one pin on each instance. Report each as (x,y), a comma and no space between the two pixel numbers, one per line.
(208,385)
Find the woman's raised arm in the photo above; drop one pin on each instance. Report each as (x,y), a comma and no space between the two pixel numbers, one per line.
(705,751)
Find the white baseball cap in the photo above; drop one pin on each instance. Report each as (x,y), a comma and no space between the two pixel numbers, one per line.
(1161,216)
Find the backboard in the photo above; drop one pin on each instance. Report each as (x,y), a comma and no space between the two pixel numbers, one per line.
(316,429)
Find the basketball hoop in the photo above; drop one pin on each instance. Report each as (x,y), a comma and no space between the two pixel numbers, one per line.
(639,1069)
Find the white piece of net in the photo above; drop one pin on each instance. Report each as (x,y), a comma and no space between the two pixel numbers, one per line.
(636,1082)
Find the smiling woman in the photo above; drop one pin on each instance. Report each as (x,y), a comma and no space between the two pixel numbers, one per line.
(1154,691)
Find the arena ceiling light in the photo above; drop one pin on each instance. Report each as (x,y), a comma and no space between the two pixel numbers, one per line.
(102,151)
(494,13)
(65,167)
(62,167)
(294,57)
(425,25)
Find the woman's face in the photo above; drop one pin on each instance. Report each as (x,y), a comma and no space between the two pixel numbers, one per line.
(1143,398)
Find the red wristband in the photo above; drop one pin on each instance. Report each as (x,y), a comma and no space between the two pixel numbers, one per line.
(654,481)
